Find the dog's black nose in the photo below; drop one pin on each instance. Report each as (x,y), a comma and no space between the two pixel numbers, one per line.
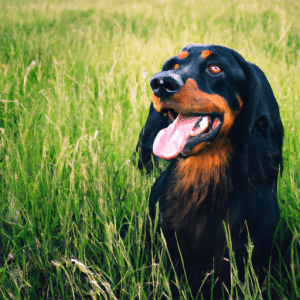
(166,84)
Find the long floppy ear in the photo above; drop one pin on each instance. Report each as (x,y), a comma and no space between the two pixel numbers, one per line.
(155,122)
(260,128)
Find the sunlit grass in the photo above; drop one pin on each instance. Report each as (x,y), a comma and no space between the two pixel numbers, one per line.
(70,122)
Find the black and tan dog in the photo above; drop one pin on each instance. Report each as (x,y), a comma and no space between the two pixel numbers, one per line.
(215,118)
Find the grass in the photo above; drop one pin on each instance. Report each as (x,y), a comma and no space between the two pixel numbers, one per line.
(69,125)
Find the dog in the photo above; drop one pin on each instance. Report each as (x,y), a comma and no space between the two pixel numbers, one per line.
(215,119)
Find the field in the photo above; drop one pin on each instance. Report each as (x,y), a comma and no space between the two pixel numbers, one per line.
(74,95)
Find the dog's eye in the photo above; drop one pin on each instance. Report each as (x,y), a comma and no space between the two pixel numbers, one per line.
(214,69)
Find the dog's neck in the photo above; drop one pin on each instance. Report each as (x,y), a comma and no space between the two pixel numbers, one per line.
(197,179)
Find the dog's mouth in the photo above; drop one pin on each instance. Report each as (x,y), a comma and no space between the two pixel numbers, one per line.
(186,131)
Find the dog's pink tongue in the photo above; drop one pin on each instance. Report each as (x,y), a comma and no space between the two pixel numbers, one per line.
(170,141)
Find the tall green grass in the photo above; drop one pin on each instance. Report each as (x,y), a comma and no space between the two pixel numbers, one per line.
(70,122)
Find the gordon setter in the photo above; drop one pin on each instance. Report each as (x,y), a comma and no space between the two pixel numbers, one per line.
(214,117)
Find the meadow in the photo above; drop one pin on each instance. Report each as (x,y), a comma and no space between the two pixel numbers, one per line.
(74,95)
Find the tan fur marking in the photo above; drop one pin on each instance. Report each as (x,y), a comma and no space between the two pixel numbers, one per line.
(206,53)
(183,54)
(194,176)
(240,104)
(156,102)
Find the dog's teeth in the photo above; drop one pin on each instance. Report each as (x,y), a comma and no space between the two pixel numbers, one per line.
(204,124)
(200,127)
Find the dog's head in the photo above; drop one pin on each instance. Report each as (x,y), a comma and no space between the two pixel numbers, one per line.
(211,93)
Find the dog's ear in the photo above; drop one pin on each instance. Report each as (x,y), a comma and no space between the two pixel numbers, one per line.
(259,128)
(155,122)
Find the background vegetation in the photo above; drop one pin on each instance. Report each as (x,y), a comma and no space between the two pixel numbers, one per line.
(74,95)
